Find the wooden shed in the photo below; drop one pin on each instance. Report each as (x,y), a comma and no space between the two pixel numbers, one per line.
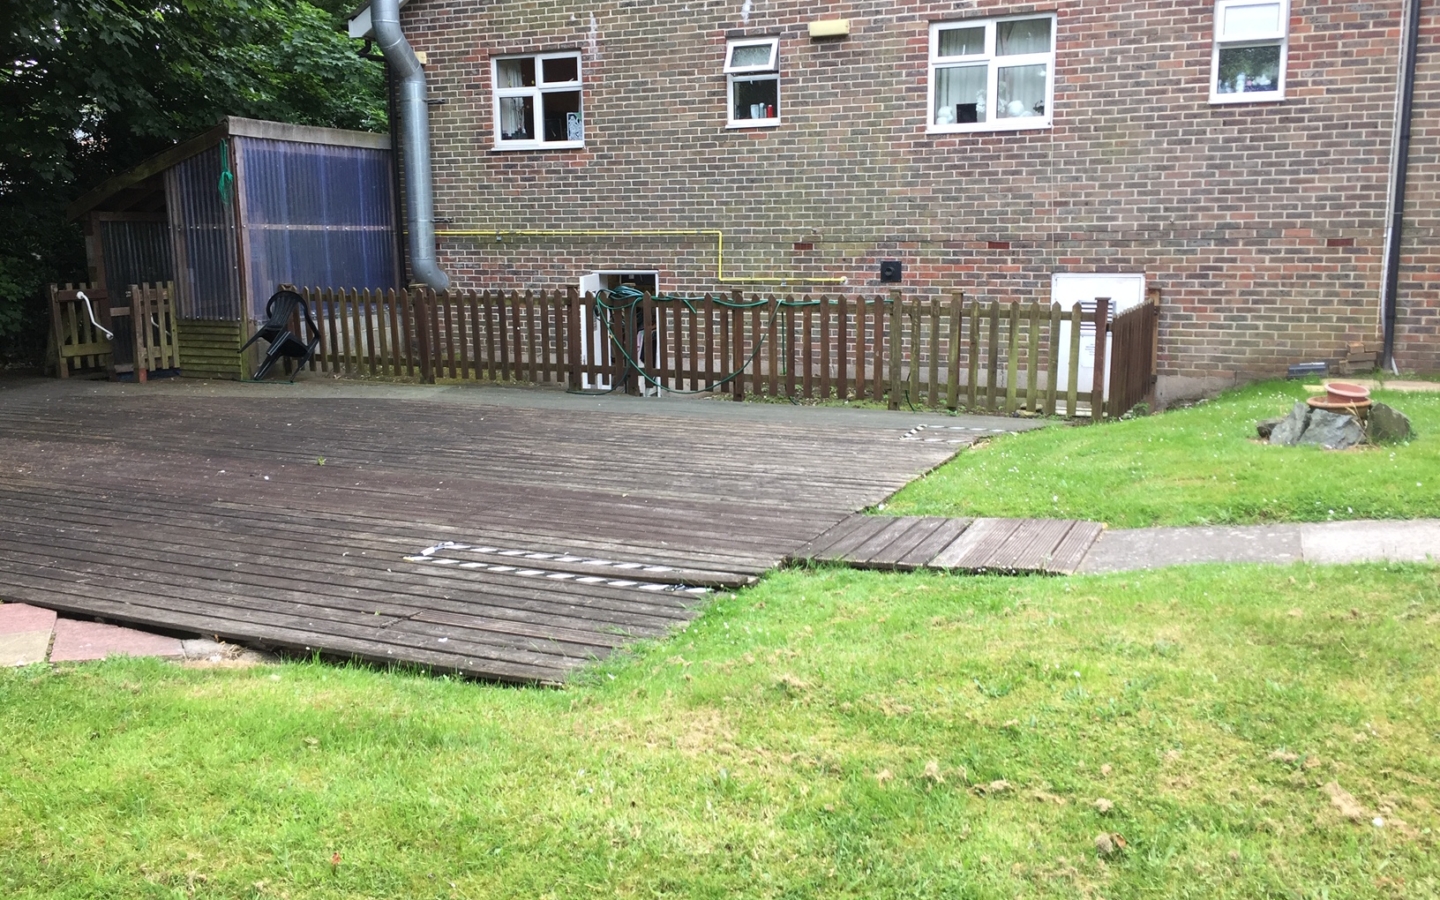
(230,214)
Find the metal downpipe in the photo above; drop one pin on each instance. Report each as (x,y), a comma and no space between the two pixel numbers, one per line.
(414,138)
(1399,164)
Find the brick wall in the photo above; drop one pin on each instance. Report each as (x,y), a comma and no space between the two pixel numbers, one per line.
(1262,223)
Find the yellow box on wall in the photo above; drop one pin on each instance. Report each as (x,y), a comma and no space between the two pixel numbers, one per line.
(830,28)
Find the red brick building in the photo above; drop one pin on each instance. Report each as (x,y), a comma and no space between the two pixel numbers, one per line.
(1236,154)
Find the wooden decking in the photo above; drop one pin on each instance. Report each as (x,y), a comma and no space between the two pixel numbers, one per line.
(1009,546)
(468,530)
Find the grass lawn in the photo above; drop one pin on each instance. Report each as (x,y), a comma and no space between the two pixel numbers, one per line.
(826,734)
(1195,466)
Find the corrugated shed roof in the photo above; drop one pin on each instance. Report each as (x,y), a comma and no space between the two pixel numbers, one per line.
(142,174)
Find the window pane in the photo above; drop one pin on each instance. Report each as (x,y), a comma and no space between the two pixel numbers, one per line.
(517,73)
(1262,20)
(1020,91)
(1025,36)
(962,41)
(561,113)
(960,95)
(555,71)
(756,98)
(753,55)
(516,113)
(1248,69)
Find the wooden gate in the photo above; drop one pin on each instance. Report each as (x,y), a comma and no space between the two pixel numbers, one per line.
(1135,343)
(79,320)
(136,335)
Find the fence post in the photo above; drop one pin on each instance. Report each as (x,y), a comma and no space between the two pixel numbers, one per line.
(894,339)
(1097,389)
(912,394)
(1012,358)
(421,306)
(572,337)
(952,363)
(140,315)
(1053,369)
(1153,297)
(737,346)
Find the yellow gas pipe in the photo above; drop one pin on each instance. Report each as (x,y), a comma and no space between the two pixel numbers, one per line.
(664,232)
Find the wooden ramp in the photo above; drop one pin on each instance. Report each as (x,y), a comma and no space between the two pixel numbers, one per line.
(1010,546)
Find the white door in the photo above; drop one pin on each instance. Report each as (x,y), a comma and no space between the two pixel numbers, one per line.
(1126,291)
(592,334)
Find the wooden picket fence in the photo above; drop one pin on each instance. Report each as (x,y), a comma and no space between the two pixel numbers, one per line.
(1001,357)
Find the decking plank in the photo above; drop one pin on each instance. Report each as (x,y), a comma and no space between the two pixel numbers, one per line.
(861,529)
(921,528)
(925,551)
(1071,550)
(1031,546)
(821,543)
(895,530)
(974,548)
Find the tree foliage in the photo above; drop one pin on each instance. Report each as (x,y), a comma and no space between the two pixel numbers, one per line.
(88,88)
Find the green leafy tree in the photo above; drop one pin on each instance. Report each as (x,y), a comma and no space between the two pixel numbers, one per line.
(88,88)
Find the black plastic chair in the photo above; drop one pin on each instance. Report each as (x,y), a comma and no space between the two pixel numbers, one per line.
(284,343)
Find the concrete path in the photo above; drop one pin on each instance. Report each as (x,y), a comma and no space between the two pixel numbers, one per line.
(1326,542)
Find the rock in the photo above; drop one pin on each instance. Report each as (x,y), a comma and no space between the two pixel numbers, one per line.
(1107,844)
(1288,430)
(1389,425)
(1263,428)
(1333,431)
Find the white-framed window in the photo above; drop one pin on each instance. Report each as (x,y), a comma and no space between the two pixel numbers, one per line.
(1251,38)
(752,70)
(537,101)
(992,74)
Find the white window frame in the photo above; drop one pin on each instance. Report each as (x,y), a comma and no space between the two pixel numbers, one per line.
(770,71)
(1280,38)
(994,64)
(537,92)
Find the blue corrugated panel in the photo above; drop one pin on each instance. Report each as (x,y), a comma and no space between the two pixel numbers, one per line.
(316,216)
(135,253)
(207,275)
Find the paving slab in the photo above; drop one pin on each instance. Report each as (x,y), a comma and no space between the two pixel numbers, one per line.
(19,618)
(23,648)
(1153,548)
(1346,542)
(77,641)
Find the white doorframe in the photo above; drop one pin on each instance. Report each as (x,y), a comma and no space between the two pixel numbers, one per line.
(593,283)
(1126,290)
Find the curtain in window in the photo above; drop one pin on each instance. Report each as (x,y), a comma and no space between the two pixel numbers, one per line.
(515,116)
(960,95)
(1020,92)
(962,42)
(1025,36)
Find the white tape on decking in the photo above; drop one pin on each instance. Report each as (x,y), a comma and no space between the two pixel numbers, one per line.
(918,433)
(427,556)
